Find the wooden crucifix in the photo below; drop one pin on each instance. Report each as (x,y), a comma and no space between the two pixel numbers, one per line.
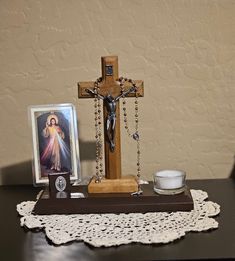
(110,86)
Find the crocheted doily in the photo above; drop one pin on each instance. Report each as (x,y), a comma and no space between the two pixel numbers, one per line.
(116,229)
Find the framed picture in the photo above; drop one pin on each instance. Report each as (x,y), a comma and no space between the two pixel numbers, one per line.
(55,142)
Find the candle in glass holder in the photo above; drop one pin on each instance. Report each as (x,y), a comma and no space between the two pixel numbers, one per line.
(169,182)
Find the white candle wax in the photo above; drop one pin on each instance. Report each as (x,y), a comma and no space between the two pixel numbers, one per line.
(169,179)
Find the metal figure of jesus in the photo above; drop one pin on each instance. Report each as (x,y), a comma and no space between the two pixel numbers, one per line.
(110,103)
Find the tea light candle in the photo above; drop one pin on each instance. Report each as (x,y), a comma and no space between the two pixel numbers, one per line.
(169,181)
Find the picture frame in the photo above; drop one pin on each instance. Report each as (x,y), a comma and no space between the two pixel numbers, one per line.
(55,142)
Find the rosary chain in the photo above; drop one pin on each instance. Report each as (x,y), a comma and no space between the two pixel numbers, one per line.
(135,135)
(98,130)
(98,133)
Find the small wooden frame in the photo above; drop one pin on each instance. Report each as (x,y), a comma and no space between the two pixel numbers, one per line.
(149,201)
(55,178)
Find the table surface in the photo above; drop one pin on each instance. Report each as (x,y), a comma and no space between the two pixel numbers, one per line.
(17,243)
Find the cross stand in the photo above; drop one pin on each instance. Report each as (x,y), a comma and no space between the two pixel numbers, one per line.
(113,182)
(112,194)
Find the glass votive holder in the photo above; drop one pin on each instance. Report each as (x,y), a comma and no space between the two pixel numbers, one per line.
(169,182)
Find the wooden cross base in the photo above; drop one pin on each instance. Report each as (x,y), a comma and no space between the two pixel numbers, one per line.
(126,184)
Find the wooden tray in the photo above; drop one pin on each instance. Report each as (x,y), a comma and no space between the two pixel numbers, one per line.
(149,201)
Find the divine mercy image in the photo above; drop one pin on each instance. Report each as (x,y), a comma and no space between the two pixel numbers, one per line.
(54,142)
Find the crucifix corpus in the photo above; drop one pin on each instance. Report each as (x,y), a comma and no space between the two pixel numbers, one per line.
(109,90)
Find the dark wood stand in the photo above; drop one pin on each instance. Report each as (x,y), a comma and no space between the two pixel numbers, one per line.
(217,244)
(149,201)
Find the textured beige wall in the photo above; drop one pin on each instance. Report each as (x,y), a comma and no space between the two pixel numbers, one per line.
(183,50)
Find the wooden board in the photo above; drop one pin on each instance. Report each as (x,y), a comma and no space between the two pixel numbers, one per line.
(123,185)
(149,201)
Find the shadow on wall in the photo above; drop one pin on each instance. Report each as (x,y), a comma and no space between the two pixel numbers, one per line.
(21,173)
(232,174)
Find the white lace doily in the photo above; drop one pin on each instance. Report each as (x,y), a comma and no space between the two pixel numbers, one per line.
(116,229)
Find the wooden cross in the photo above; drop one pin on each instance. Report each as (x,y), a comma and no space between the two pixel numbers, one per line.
(109,85)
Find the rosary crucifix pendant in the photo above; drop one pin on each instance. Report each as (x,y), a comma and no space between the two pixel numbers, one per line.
(110,103)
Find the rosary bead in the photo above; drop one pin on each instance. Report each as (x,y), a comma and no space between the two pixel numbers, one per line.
(135,136)
(99,156)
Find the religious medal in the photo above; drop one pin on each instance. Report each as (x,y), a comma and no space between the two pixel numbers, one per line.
(59,182)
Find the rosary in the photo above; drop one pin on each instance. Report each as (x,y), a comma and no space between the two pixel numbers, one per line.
(110,103)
